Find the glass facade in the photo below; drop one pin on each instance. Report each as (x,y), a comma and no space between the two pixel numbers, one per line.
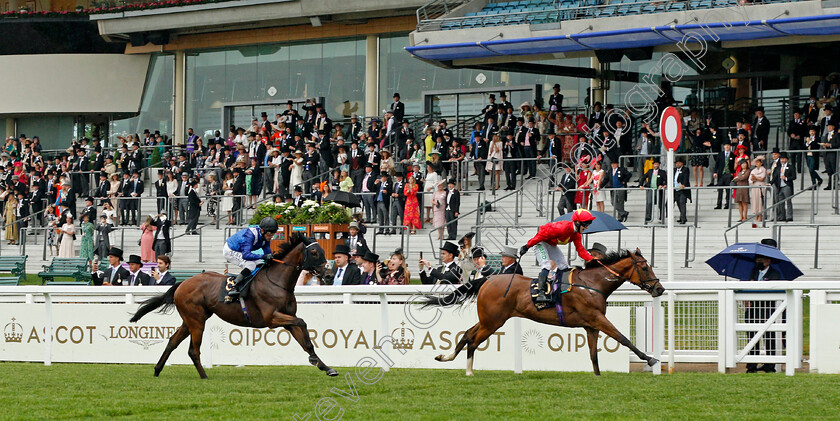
(334,69)
(400,72)
(156,109)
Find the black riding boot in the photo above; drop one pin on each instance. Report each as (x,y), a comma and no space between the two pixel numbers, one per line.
(233,291)
(541,286)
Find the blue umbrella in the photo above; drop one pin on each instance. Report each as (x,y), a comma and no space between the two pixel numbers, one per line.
(738,260)
(602,222)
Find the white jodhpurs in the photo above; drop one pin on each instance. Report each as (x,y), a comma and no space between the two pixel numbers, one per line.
(547,253)
(235,257)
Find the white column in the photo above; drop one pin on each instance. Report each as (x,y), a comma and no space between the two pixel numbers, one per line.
(372,76)
(179,99)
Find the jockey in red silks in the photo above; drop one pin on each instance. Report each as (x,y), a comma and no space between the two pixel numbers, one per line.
(546,246)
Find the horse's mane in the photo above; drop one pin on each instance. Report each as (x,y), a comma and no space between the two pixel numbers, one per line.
(289,245)
(609,258)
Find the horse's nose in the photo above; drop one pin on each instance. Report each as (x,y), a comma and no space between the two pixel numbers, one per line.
(659,290)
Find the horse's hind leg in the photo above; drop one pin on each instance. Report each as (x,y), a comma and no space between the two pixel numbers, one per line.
(196,332)
(592,336)
(601,323)
(481,334)
(297,327)
(174,341)
(468,335)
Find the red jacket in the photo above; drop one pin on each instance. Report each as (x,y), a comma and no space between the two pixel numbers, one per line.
(560,233)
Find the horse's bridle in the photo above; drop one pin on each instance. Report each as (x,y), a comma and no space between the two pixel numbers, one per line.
(305,258)
(646,285)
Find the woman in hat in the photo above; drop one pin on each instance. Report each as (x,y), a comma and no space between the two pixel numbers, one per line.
(113,195)
(758,177)
(411,217)
(742,195)
(395,271)
(430,184)
(213,189)
(172,184)
(12,233)
(346,183)
(439,208)
(494,160)
(386,163)
(87,229)
(226,204)
(147,239)
(296,178)
(67,232)
(50,220)
(596,181)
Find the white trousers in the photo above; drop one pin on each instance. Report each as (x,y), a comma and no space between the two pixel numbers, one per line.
(235,257)
(547,253)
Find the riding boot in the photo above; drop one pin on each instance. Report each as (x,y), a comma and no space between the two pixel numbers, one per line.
(541,286)
(233,292)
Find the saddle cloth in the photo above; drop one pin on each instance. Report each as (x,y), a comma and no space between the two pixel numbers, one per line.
(228,285)
(554,290)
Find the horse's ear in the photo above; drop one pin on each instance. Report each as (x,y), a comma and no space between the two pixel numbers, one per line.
(306,240)
(638,252)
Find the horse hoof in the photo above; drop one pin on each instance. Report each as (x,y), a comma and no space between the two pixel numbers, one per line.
(652,362)
(469,373)
(332,373)
(439,357)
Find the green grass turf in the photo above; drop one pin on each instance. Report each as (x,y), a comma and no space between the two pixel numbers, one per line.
(97,391)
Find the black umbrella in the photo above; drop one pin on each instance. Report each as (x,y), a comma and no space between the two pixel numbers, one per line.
(344,198)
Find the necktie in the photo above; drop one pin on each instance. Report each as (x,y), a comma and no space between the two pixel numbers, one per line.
(367,279)
(338,275)
(132,279)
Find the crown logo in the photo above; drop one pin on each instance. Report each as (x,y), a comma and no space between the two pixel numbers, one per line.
(13,331)
(402,342)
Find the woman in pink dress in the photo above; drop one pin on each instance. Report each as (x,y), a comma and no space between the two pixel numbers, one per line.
(439,209)
(147,240)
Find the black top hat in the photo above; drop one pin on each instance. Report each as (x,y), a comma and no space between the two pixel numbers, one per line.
(783,155)
(502,95)
(383,174)
(361,251)
(399,174)
(263,114)
(492,96)
(797,110)
(451,181)
(135,259)
(775,150)
(298,189)
(146,131)
(370,257)
(656,160)
(450,247)
(770,242)
(116,252)
(396,94)
(828,107)
(342,249)
(478,252)
(679,159)
(759,109)
(89,199)
(442,121)
(549,131)
(289,102)
(556,86)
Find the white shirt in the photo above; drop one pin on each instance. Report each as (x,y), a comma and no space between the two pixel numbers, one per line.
(761,273)
(132,279)
(339,275)
(160,277)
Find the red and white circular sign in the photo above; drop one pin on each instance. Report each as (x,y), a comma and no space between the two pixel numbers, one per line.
(670,128)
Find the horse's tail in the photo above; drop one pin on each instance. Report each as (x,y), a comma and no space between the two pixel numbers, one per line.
(461,295)
(165,300)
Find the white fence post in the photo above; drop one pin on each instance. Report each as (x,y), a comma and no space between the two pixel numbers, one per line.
(722,332)
(671,330)
(517,345)
(383,306)
(729,318)
(658,333)
(47,329)
(816,297)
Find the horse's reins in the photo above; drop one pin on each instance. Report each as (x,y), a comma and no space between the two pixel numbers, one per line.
(644,284)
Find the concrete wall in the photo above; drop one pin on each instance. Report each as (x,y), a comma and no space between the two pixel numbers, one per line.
(72,83)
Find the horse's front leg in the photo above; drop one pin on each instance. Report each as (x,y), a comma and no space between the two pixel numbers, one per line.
(601,323)
(592,337)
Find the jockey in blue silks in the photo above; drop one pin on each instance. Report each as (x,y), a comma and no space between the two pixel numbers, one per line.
(240,250)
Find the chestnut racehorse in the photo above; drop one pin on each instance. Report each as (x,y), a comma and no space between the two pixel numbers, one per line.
(271,301)
(501,297)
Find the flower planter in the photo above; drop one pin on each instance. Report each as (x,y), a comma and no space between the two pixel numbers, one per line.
(329,236)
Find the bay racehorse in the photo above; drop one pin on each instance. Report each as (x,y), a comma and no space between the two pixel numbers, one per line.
(501,297)
(271,301)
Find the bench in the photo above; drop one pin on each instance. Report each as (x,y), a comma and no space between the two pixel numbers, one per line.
(16,266)
(66,267)
(65,283)
(183,275)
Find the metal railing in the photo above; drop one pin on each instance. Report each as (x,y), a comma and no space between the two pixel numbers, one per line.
(437,8)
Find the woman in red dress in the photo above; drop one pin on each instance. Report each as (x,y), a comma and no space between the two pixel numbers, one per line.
(583,193)
(411,217)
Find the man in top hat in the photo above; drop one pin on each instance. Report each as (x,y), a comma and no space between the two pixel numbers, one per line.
(510,261)
(355,240)
(782,179)
(504,104)
(382,199)
(482,269)
(830,140)
(89,210)
(447,273)
(398,108)
(264,123)
(681,182)
(724,170)
(370,265)
(135,276)
(132,190)
(397,200)
(527,142)
(345,272)
(290,114)
(453,209)
(555,100)
(115,274)
(194,208)
(598,251)
(797,132)
(490,110)
(655,181)
(760,130)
